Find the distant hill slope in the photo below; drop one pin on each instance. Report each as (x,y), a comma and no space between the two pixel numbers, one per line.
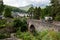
(15,9)
(26,7)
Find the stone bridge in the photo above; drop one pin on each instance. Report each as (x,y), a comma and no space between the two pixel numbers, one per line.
(39,25)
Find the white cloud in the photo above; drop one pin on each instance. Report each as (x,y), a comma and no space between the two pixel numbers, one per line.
(20,3)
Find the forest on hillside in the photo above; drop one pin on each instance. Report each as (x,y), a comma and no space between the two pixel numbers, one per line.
(53,10)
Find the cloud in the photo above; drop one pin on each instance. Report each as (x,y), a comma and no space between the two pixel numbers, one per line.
(21,3)
(10,2)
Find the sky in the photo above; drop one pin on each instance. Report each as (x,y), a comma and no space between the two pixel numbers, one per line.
(22,3)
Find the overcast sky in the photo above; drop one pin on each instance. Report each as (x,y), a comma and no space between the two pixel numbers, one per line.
(22,3)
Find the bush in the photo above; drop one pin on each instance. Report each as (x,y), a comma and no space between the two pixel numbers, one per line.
(4,35)
(2,23)
(24,25)
(52,35)
(30,36)
(20,23)
(25,36)
(57,18)
(43,35)
(17,23)
(7,12)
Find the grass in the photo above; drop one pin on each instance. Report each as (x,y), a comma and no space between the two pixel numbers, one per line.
(44,35)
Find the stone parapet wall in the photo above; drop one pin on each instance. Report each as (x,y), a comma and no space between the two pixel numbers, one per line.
(42,25)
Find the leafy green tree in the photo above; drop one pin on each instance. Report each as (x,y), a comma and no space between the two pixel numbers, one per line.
(46,11)
(17,23)
(52,10)
(30,11)
(7,12)
(1,8)
(57,17)
(20,24)
(37,13)
(2,23)
(24,25)
(55,8)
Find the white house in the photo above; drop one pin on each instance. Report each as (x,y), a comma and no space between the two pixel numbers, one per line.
(17,14)
(48,18)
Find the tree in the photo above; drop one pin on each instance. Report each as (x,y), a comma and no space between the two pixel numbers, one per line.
(20,23)
(55,8)
(46,11)
(37,13)
(30,11)
(17,23)
(24,25)
(1,8)
(7,12)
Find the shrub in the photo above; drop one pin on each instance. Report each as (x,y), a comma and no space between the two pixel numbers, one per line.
(17,23)
(24,25)
(57,18)
(20,23)
(4,35)
(2,23)
(52,35)
(7,12)
(25,36)
(43,35)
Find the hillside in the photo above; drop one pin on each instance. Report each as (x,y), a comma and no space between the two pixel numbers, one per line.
(15,9)
(26,7)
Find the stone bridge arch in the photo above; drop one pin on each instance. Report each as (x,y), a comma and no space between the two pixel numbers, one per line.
(34,25)
(32,28)
(39,25)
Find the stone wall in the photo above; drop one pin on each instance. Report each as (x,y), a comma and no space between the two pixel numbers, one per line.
(42,25)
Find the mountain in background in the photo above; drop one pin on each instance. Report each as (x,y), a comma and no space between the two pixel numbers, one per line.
(26,7)
(31,5)
(22,9)
(15,9)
